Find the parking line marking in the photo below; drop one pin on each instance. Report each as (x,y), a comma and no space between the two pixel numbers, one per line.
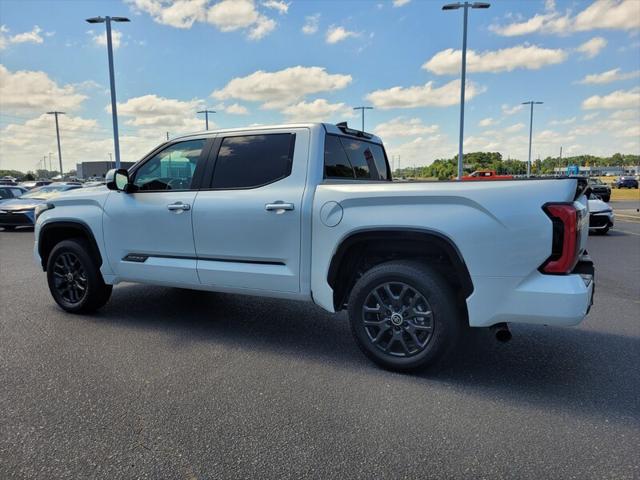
(624,231)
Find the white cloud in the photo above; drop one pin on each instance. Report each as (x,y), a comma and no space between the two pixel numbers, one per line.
(178,14)
(25,37)
(237,109)
(608,77)
(422,150)
(100,39)
(511,110)
(311,24)
(487,122)
(34,91)
(225,15)
(626,115)
(262,27)
(400,3)
(278,5)
(422,95)
(530,57)
(282,88)
(566,121)
(514,128)
(22,144)
(619,124)
(601,14)
(338,34)
(614,14)
(403,127)
(593,47)
(617,99)
(317,111)
(159,114)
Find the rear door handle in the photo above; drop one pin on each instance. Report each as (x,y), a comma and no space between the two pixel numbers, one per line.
(278,207)
(178,206)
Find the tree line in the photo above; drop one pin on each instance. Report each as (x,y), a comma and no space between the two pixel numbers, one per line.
(446,168)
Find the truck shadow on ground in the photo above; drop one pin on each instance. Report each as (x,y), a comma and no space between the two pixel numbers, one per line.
(572,369)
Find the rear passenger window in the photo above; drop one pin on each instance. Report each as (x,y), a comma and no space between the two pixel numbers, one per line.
(352,158)
(336,162)
(253,160)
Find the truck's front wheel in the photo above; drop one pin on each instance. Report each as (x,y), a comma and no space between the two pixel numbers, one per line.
(74,278)
(403,315)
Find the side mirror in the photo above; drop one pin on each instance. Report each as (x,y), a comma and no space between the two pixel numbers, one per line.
(117,180)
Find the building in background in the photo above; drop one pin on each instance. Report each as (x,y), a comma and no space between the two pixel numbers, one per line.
(601,171)
(88,170)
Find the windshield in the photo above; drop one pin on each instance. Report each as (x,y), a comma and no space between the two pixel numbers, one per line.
(46,192)
(596,181)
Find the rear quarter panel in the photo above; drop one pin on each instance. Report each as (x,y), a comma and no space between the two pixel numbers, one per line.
(499,227)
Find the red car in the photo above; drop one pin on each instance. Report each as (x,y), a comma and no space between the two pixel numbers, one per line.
(486,175)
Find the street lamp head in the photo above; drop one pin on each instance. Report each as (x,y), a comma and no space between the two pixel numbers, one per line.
(95,20)
(451,6)
(120,19)
(480,5)
(54,112)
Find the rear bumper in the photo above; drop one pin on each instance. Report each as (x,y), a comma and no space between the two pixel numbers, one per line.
(560,300)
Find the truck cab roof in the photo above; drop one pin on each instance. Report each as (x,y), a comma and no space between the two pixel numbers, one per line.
(329,128)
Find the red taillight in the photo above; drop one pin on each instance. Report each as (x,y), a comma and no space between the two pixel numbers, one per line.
(566,234)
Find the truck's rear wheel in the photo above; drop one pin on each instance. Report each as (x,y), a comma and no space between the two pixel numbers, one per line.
(403,315)
(74,279)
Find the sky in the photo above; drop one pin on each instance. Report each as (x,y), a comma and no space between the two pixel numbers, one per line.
(283,61)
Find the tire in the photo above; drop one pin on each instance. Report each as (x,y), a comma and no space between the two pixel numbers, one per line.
(374,326)
(606,199)
(88,291)
(603,231)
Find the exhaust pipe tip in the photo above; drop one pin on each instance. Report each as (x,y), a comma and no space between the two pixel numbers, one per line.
(502,332)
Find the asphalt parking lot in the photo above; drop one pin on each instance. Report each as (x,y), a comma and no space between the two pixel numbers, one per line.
(165,383)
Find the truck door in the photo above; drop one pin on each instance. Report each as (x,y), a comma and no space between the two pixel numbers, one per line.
(148,234)
(247,219)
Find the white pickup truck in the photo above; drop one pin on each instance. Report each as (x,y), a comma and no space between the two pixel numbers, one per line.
(309,212)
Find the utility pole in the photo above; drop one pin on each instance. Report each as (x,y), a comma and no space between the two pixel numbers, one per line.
(206,117)
(167,136)
(456,6)
(532,103)
(56,113)
(50,162)
(112,82)
(362,109)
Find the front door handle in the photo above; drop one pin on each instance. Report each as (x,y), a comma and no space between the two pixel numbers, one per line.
(178,206)
(278,207)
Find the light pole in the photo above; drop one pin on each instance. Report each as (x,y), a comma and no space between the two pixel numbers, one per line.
(532,103)
(456,6)
(362,109)
(55,113)
(206,117)
(112,81)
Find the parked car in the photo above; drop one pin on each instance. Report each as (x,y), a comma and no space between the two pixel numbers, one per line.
(11,191)
(626,182)
(35,183)
(309,212)
(486,175)
(92,183)
(601,216)
(5,181)
(600,188)
(20,212)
